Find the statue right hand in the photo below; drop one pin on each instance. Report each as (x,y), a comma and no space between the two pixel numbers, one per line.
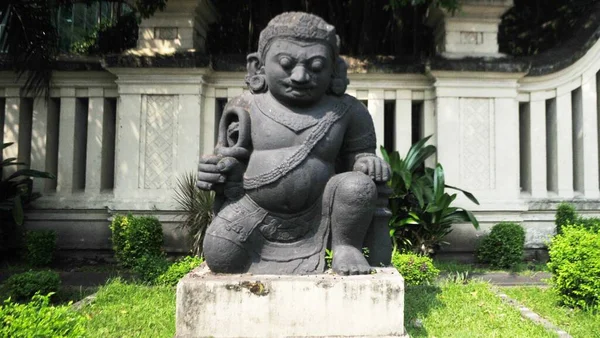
(213,169)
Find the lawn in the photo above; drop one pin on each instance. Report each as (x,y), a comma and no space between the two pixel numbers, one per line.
(544,302)
(448,310)
(454,309)
(131,310)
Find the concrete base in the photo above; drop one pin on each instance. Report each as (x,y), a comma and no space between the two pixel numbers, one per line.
(213,305)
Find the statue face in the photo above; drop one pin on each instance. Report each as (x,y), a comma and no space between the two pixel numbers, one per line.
(298,73)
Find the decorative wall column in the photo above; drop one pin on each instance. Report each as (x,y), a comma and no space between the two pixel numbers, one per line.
(12,127)
(477,135)
(472,31)
(183,25)
(157,134)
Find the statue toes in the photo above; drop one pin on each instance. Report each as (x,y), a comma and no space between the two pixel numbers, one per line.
(354,270)
(365,270)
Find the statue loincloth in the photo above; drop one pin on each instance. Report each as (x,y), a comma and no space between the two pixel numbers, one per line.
(276,243)
(294,242)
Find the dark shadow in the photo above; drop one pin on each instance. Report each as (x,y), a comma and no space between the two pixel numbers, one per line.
(418,303)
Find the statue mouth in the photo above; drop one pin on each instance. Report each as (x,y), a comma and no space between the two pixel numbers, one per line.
(298,90)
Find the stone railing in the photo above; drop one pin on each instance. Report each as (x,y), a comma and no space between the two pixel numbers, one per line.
(118,139)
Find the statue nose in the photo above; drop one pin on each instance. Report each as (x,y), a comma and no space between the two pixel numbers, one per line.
(300,75)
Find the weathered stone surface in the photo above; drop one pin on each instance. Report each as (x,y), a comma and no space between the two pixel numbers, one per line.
(295,166)
(326,305)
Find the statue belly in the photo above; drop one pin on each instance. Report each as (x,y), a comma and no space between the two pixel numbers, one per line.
(296,191)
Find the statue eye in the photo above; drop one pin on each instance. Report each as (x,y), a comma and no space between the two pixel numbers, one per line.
(317,65)
(285,62)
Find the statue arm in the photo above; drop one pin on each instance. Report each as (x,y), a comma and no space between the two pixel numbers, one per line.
(360,142)
(227,163)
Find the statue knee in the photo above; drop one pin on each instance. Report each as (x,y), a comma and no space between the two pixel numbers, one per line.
(224,256)
(356,189)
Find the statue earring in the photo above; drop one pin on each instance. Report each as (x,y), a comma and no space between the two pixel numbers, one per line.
(257,83)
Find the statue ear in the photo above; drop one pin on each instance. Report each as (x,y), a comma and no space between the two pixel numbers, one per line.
(253,64)
(339,81)
(255,79)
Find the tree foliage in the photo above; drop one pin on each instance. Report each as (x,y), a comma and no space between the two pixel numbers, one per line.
(534,26)
(30,37)
(366,27)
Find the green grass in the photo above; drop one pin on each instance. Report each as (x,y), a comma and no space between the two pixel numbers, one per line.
(459,310)
(131,310)
(544,302)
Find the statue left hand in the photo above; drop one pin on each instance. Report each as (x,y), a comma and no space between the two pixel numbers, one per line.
(374,167)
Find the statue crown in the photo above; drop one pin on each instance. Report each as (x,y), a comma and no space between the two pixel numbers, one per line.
(300,26)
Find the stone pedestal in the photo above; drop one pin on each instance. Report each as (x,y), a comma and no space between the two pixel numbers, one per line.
(470,32)
(212,305)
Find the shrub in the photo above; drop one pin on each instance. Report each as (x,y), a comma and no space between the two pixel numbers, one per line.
(40,246)
(575,266)
(179,270)
(503,247)
(565,214)
(415,269)
(24,285)
(197,206)
(591,223)
(149,268)
(135,237)
(38,319)
(422,210)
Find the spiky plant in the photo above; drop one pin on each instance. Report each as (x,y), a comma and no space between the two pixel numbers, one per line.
(197,206)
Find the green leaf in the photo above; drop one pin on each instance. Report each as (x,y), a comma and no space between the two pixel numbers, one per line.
(17,211)
(31,173)
(438,182)
(466,193)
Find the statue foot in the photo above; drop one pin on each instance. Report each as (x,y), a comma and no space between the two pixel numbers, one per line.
(348,260)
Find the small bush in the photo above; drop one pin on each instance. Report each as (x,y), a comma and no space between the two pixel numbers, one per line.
(149,268)
(38,319)
(503,247)
(40,247)
(179,270)
(565,214)
(24,285)
(135,237)
(575,266)
(589,223)
(415,269)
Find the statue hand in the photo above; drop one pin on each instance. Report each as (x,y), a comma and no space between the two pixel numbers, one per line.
(374,167)
(215,169)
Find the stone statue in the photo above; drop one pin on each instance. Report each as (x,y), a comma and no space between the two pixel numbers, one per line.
(294,169)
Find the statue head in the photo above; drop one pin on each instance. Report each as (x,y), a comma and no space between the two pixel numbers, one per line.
(297,60)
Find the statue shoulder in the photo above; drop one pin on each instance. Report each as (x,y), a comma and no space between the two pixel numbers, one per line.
(358,110)
(243,101)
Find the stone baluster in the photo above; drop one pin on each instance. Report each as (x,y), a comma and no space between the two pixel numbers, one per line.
(95,121)
(536,146)
(403,122)
(39,140)
(66,141)
(11,126)
(564,144)
(428,123)
(589,156)
(376,108)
